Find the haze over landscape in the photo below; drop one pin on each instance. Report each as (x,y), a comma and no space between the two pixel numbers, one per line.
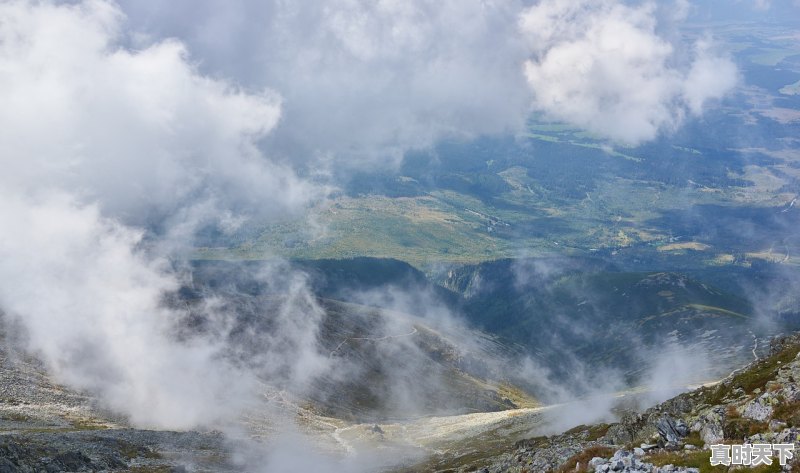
(355,236)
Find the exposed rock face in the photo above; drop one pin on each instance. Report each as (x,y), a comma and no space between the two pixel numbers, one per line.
(671,430)
(710,425)
(21,456)
(759,408)
(110,450)
(540,454)
(760,404)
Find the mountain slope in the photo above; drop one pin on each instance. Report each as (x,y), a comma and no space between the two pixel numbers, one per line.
(585,311)
(759,403)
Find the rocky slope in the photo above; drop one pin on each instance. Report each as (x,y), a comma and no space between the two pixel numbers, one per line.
(757,404)
(384,351)
(45,427)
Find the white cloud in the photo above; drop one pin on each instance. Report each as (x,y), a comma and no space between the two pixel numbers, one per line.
(362,79)
(709,78)
(138,131)
(90,304)
(762,4)
(601,65)
(367,79)
(105,144)
(101,146)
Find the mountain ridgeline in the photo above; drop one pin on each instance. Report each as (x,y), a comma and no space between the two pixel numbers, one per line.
(569,311)
(393,325)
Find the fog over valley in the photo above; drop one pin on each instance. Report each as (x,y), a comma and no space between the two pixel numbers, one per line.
(361,236)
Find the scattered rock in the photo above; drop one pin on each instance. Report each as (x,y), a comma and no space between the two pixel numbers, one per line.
(776,425)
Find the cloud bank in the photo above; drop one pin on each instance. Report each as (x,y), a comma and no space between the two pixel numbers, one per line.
(120,142)
(362,79)
(604,67)
(110,155)
(138,131)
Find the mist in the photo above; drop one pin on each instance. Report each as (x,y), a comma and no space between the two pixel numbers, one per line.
(406,74)
(605,67)
(129,127)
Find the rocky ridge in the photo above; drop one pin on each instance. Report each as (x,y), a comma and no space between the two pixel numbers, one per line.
(759,403)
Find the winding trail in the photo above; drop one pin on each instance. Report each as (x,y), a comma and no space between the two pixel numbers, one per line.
(755,345)
(755,358)
(374,339)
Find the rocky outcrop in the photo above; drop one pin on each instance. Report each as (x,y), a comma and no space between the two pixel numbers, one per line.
(671,430)
(709,424)
(757,404)
(759,408)
(631,462)
(20,456)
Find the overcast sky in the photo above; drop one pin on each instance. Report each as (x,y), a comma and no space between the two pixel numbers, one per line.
(373,78)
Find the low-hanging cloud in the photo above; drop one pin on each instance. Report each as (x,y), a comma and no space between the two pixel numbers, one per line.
(365,80)
(604,67)
(119,146)
(362,79)
(116,157)
(90,306)
(110,153)
(140,132)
